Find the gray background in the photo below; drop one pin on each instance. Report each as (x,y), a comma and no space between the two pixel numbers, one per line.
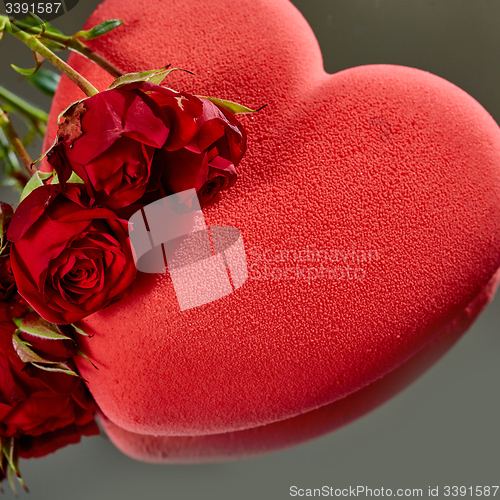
(443,430)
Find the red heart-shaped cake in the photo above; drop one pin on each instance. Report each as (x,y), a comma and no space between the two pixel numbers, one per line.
(369,207)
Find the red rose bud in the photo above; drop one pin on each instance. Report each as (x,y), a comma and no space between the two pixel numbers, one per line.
(69,260)
(109,140)
(42,413)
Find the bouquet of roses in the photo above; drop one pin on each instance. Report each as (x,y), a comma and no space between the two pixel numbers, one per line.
(65,251)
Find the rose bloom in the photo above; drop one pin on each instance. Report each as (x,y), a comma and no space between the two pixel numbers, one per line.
(42,410)
(109,140)
(69,260)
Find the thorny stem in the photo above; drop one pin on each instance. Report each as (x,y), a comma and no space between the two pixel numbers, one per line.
(36,46)
(71,43)
(17,144)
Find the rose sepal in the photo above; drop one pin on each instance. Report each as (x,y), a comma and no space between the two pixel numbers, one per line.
(232,107)
(34,325)
(43,178)
(153,76)
(9,464)
(38,180)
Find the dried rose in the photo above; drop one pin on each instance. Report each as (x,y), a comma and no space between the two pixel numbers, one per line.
(109,140)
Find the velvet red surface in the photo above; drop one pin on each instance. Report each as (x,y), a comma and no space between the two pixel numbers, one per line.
(386,169)
(296,430)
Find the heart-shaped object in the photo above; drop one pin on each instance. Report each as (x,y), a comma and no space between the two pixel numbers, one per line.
(309,425)
(369,206)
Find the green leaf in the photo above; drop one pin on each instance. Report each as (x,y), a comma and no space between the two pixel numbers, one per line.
(45,80)
(231,106)
(153,76)
(37,326)
(35,182)
(99,30)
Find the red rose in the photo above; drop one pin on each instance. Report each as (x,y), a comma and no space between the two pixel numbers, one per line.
(69,260)
(206,157)
(43,410)
(109,140)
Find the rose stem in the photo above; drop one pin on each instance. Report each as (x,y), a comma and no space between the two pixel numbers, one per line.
(38,117)
(75,45)
(17,144)
(36,46)
(79,47)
